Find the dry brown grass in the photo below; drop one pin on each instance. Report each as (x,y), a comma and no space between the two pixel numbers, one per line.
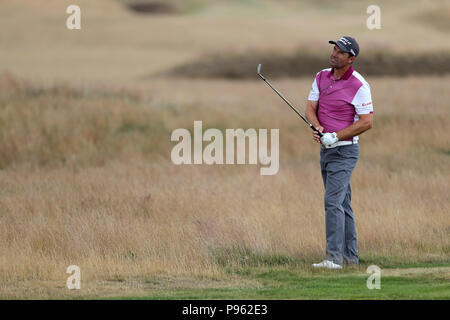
(85,171)
(87,180)
(301,63)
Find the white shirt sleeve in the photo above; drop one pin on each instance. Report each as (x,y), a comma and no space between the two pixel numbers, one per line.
(314,93)
(363,100)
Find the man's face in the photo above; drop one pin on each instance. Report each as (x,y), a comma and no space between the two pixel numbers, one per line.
(339,58)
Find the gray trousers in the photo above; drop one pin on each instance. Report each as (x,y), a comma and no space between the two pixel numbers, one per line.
(337,165)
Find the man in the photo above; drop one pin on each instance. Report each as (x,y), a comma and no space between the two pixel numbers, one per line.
(340,106)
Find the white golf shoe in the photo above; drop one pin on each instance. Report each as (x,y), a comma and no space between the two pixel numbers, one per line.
(327,264)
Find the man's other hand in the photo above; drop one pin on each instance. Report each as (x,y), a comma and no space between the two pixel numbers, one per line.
(315,134)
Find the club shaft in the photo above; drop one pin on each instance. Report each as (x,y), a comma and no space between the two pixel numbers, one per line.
(290,105)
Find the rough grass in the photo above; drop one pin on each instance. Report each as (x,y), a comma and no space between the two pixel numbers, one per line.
(85,170)
(302,63)
(87,180)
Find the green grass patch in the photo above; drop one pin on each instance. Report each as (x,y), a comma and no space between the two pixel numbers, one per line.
(391,262)
(238,257)
(290,285)
(304,282)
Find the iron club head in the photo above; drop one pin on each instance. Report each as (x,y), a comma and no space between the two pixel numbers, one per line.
(258,71)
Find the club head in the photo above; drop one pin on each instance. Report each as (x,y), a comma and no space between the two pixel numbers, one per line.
(258,70)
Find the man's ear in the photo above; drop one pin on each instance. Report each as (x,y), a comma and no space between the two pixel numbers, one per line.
(351,59)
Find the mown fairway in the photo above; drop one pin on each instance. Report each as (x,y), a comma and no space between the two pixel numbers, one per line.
(294,285)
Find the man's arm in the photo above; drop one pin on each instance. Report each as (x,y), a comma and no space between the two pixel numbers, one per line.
(363,124)
(311,115)
(364,109)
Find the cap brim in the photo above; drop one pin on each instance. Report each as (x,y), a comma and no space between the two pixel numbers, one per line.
(339,45)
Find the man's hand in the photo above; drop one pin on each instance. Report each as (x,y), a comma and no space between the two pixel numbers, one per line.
(329,138)
(315,134)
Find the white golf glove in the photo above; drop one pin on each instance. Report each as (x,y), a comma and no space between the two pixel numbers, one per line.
(329,138)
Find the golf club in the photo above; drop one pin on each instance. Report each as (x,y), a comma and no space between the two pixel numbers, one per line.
(258,71)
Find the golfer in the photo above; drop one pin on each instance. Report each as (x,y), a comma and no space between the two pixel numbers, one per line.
(340,106)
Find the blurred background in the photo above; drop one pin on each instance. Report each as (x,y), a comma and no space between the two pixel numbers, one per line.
(86,117)
(133,40)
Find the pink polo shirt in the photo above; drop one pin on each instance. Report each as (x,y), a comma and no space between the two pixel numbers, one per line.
(340,100)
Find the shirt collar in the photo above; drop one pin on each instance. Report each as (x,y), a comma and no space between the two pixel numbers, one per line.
(345,76)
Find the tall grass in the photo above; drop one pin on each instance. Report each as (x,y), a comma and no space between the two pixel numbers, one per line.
(86,179)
